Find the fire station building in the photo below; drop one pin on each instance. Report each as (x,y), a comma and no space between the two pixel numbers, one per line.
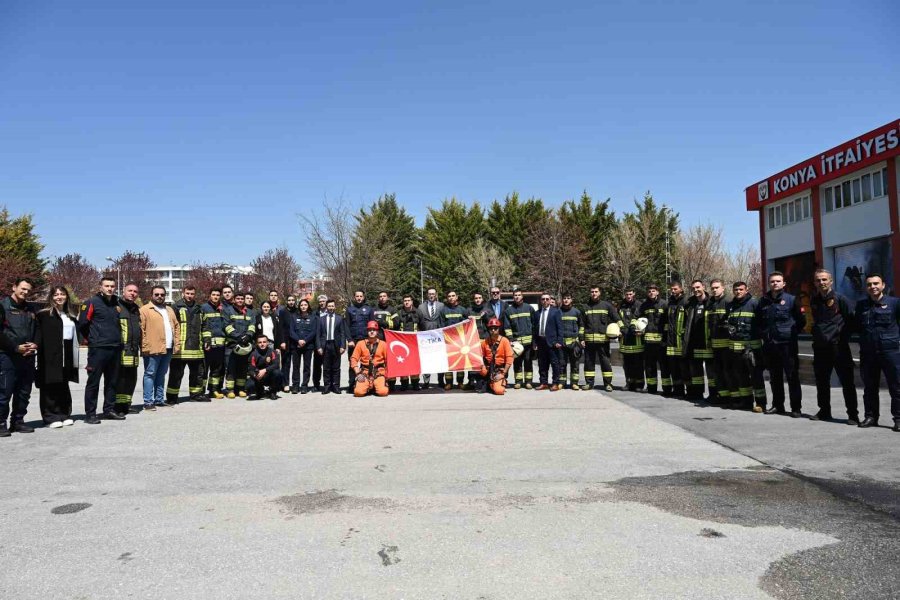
(838,210)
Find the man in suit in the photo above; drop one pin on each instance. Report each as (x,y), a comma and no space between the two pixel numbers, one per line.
(495,304)
(430,317)
(548,336)
(331,343)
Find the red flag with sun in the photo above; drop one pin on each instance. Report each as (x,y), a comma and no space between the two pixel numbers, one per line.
(463,346)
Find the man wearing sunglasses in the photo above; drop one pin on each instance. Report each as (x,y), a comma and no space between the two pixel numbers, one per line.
(160,335)
(548,341)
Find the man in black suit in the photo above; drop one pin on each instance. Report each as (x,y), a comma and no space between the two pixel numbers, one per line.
(331,343)
(497,306)
(548,336)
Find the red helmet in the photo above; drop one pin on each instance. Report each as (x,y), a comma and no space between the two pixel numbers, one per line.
(493,322)
(372,325)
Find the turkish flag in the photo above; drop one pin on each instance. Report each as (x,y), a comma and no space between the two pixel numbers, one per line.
(402,353)
(453,348)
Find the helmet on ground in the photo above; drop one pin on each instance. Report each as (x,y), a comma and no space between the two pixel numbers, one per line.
(243,349)
(517,348)
(612,330)
(640,324)
(372,325)
(493,322)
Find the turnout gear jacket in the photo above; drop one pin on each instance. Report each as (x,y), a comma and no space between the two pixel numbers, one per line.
(696,331)
(572,325)
(213,324)
(240,324)
(832,319)
(517,323)
(130,325)
(406,320)
(355,319)
(879,325)
(383,315)
(742,322)
(98,322)
(481,313)
(673,332)
(655,312)
(190,321)
(630,342)
(716,323)
(451,315)
(597,317)
(17,325)
(780,318)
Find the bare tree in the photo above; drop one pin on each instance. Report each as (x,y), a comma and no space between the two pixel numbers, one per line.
(329,236)
(487,264)
(558,259)
(132,267)
(75,273)
(273,270)
(742,264)
(625,256)
(206,276)
(701,252)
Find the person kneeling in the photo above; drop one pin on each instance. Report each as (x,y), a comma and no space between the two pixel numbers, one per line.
(264,371)
(368,362)
(498,358)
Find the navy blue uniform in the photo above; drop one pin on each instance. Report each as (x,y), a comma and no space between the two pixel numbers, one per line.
(17,326)
(356,317)
(99,324)
(780,320)
(302,327)
(879,351)
(832,323)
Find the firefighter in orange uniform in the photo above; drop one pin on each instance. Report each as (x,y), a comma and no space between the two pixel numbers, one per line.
(368,363)
(498,358)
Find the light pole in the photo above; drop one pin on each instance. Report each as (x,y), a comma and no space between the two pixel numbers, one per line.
(421,279)
(664,212)
(118,274)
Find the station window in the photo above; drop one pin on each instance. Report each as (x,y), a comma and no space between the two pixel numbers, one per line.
(788,212)
(853,191)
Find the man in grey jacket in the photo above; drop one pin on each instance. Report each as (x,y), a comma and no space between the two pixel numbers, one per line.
(430,314)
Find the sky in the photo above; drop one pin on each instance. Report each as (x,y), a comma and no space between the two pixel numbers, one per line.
(200,130)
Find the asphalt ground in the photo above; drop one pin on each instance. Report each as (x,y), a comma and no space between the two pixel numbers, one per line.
(451,495)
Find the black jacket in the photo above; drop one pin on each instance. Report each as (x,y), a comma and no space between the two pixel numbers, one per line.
(56,358)
(277,329)
(17,325)
(99,322)
(780,318)
(340,332)
(655,312)
(832,319)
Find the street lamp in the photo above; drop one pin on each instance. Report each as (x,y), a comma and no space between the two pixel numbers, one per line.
(663,212)
(118,274)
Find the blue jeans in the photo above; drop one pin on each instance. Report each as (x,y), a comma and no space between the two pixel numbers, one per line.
(155,369)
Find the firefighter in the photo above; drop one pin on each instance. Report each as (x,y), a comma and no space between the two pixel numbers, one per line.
(263,370)
(673,336)
(743,363)
(227,311)
(249,299)
(382,314)
(408,319)
(480,313)
(832,318)
(189,353)
(240,331)
(498,358)
(369,362)
(598,315)
(357,315)
(212,330)
(18,334)
(130,324)
(653,308)
(573,337)
(697,349)
(451,314)
(781,318)
(518,328)
(631,345)
(878,318)
(716,309)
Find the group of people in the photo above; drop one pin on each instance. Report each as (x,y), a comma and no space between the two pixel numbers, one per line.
(682,347)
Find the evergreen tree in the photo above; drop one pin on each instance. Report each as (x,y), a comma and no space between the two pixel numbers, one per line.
(596,222)
(448,231)
(651,222)
(507,226)
(388,230)
(20,251)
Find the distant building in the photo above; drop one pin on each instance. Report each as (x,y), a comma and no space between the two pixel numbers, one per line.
(309,288)
(173,277)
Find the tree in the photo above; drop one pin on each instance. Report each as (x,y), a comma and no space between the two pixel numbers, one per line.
(487,265)
(654,226)
(596,222)
(273,270)
(743,264)
(20,251)
(625,259)
(132,267)
(559,259)
(329,236)
(75,273)
(506,225)
(447,233)
(701,252)
(385,248)
(206,276)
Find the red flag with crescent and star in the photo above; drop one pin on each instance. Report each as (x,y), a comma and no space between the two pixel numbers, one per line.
(452,348)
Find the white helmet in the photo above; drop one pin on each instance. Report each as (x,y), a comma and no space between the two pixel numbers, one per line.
(640,324)
(517,348)
(612,330)
(243,349)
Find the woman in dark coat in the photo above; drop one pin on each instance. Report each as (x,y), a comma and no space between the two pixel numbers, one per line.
(269,323)
(57,358)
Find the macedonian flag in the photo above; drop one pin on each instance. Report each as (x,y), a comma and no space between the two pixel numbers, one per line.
(453,348)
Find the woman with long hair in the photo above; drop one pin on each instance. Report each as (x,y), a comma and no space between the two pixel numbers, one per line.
(57,358)
(305,323)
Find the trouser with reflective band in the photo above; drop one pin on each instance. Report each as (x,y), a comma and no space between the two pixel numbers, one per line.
(872,365)
(448,377)
(632,352)
(679,372)
(745,376)
(125,384)
(719,374)
(595,352)
(523,365)
(835,357)
(237,373)
(102,362)
(569,366)
(176,373)
(696,384)
(782,362)
(215,368)
(654,358)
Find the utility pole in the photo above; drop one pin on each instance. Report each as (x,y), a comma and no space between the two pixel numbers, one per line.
(664,212)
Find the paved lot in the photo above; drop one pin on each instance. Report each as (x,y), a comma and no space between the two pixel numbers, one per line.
(447,495)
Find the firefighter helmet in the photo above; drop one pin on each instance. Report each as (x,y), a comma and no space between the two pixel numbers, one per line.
(640,324)
(493,322)
(517,348)
(612,330)
(372,325)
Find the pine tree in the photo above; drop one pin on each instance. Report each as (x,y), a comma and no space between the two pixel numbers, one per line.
(651,223)
(596,222)
(448,231)
(20,251)
(507,226)
(385,244)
